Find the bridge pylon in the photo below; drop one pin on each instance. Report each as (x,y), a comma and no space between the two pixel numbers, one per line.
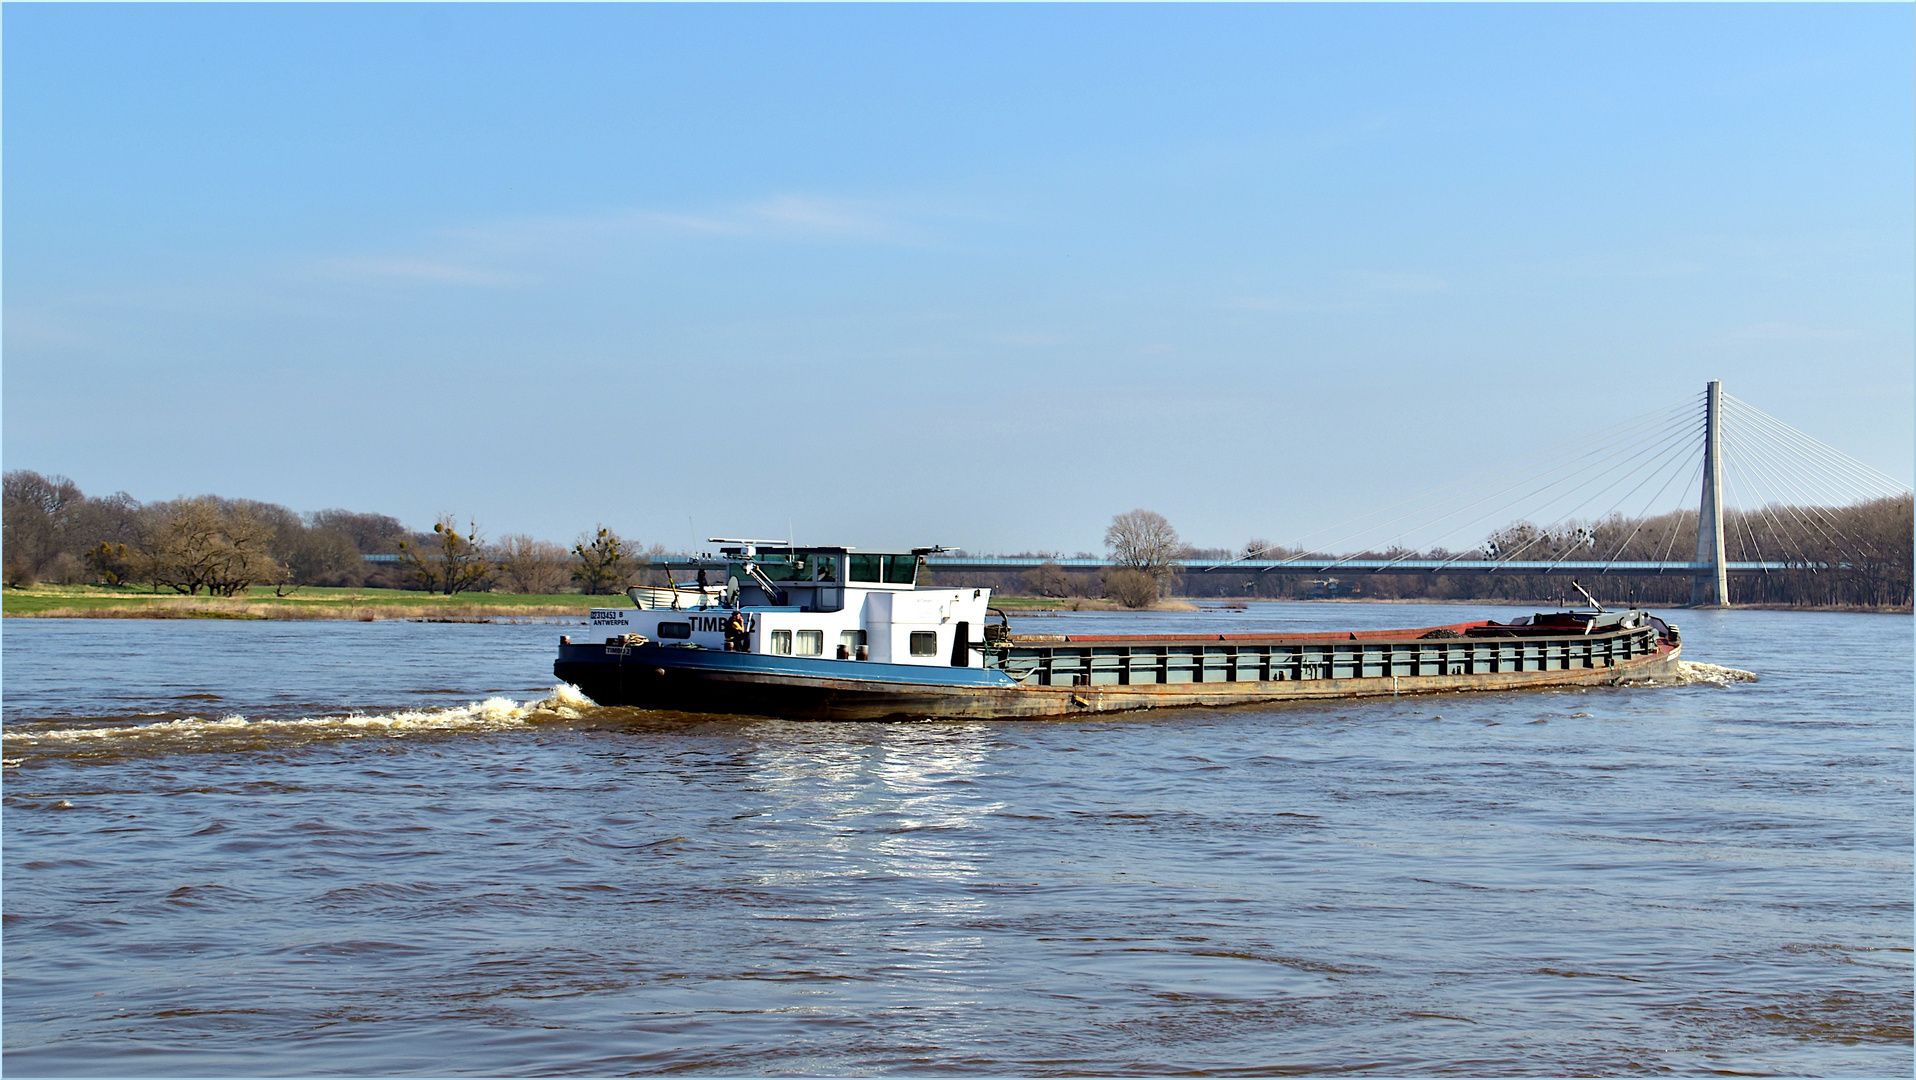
(1709,520)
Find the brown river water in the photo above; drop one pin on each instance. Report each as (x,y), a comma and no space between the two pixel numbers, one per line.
(271,848)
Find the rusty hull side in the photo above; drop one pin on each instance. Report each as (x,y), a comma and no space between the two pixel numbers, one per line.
(1077,700)
(825,698)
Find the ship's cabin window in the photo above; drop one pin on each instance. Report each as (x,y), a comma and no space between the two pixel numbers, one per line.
(783,567)
(675,629)
(850,640)
(810,643)
(788,567)
(782,642)
(890,569)
(924,643)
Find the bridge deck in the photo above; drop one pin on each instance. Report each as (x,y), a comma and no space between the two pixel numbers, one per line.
(1328,565)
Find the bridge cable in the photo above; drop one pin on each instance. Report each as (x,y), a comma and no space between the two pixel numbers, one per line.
(1619,444)
(1742,519)
(1679,517)
(1861,480)
(1659,460)
(1778,470)
(1670,435)
(1617,438)
(1790,472)
(1676,433)
(1644,518)
(1824,450)
(1651,474)
(1757,475)
(1655,418)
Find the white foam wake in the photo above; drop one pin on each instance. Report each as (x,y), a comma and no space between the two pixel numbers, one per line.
(1689,673)
(564,702)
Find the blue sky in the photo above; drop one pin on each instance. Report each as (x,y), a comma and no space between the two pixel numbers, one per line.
(978,275)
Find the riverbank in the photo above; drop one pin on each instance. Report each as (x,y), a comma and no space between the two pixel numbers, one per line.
(363,605)
(1014,604)
(1552,604)
(370,605)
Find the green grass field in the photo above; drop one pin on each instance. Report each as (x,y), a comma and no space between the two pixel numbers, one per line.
(127,602)
(102,601)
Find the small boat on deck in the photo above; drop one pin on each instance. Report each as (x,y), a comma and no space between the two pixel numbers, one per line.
(832,633)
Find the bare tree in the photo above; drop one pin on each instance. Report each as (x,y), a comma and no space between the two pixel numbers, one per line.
(372,534)
(532,566)
(448,563)
(318,557)
(117,522)
(1132,588)
(199,544)
(39,515)
(1144,540)
(1048,579)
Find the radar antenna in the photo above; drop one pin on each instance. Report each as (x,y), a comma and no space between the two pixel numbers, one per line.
(749,549)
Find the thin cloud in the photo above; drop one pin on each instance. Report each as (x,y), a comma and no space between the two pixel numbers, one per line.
(1363,291)
(498,254)
(417,269)
(1292,304)
(1270,303)
(469,255)
(790,217)
(799,215)
(1404,283)
(1764,333)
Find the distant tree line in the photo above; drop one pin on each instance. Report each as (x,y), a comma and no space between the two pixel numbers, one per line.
(208,545)
(1858,555)
(1850,556)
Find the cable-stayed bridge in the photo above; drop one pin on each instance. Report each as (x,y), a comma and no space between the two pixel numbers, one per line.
(1327,564)
(1769,499)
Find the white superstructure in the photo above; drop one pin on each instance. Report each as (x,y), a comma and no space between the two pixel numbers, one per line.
(827,603)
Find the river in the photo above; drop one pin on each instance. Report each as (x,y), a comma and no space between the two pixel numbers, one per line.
(291,848)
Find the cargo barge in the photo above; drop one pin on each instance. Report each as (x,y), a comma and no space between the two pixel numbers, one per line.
(831,633)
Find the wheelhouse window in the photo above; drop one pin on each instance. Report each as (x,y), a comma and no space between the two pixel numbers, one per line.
(782,642)
(890,569)
(811,643)
(675,629)
(776,567)
(924,643)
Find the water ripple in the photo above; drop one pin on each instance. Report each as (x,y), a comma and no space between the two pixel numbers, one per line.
(401,854)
